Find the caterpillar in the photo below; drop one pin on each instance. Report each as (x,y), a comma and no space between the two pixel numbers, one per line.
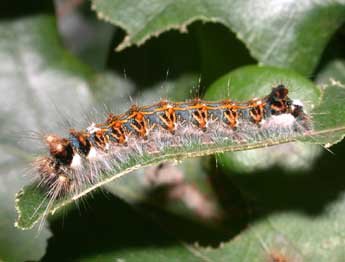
(82,157)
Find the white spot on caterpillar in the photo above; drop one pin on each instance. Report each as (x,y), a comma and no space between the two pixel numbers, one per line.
(62,179)
(297,102)
(281,121)
(93,154)
(59,148)
(92,129)
(76,162)
(49,138)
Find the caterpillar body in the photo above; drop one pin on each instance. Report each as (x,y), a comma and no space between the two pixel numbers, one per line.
(80,158)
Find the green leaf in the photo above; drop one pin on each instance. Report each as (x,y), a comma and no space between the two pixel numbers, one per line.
(32,203)
(276,34)
(331,112)
(295,214)
(26,85)
(83,34)
(16,245)
(34,71)
(252,81)
(288,235)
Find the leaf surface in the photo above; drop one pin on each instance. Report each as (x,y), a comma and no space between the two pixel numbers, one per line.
(281,34)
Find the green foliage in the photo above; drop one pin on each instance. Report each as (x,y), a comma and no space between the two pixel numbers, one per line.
(272,31)
(248,205)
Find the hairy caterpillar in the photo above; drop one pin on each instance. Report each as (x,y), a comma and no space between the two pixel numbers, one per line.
(81,158)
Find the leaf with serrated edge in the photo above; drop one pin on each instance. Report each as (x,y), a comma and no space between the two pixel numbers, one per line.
(275,33)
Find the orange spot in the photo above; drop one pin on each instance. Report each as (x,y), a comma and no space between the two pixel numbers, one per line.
(139,116)
(117,124)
